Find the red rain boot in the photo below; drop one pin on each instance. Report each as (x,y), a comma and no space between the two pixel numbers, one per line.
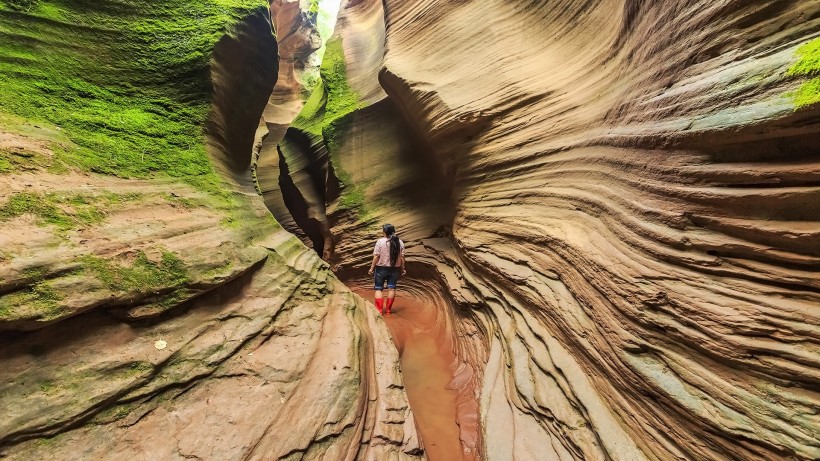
(389,305)
(379,304)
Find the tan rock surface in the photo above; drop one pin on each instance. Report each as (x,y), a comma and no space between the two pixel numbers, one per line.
(439,348)
(273,365)
(298,39)
(622,194)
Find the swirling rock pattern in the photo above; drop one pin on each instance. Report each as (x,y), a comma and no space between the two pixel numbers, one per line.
(615,204)
(626,202)
(230,339)
(271,366)
(297,39)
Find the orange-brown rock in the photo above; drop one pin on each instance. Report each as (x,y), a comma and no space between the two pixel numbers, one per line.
(624,195)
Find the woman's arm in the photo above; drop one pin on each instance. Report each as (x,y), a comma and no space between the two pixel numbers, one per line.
(373,264)
(401,257)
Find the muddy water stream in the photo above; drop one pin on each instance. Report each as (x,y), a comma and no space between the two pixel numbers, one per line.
(427,359)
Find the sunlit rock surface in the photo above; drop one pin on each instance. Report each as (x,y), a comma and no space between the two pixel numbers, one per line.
(621,196)
(297,38)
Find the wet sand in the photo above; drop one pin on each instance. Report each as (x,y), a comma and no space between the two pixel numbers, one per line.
(426,359)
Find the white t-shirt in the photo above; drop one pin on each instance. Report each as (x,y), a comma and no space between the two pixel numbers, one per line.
(382,249)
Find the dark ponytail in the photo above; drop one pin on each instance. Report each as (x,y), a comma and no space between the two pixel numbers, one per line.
(395,246)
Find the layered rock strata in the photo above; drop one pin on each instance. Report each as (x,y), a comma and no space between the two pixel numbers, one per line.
(298,40)
(275,365)
(151,306)
(623,195)
(615,205)
(440,349)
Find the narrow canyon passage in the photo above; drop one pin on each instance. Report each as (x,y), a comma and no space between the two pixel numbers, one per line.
(611,213)
(618,225)
(428,366)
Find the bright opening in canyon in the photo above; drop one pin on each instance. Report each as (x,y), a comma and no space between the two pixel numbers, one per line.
(611,213)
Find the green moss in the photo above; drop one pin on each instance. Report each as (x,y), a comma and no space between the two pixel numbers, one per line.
(47,387)
(142,275)
(807,94)
(34,273)
(19,160)
(135,369)
(341,99)
(45,296)
(127,81)
(231,222)
(46,441)
(353,198)
(21,5)
(311,117)
(309,79)
(809,59)
(61,211)
(332,98)
(807,65)
(37,300)
(326,113)
(27,203)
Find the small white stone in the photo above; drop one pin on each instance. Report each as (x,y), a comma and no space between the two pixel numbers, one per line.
(160,344)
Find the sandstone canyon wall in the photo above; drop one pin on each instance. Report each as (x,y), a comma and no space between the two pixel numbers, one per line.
(619,198)
(614,204)
(150,306)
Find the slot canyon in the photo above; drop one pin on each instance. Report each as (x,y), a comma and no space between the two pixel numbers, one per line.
(611,212)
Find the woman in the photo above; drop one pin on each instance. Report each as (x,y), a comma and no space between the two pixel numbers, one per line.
(388,260)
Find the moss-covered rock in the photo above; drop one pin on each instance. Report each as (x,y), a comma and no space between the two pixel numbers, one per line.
(807,65)
(63,211)
(106,109)
(326,116)
(127,81)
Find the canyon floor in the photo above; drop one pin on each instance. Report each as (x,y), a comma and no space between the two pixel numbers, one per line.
(428,365)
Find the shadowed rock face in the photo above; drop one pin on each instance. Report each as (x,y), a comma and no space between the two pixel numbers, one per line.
(623,194)
(297,38)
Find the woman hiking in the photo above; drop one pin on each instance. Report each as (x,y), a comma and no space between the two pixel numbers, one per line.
(388,260)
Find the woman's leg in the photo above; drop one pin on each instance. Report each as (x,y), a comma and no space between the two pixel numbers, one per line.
(392,280)
(391,296)
(378,285)
(379,300)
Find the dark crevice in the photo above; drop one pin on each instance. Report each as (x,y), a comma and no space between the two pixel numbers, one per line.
(297,206)
(239,96)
